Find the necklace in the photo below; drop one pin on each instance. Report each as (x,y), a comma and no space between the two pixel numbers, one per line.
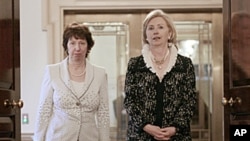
(78,75)
(160,62)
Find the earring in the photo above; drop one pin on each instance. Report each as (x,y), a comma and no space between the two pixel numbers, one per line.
(170,43)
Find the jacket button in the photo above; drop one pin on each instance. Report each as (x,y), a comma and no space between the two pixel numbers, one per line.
(78,104)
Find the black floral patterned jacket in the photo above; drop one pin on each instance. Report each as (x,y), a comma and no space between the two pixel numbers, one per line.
(179,98)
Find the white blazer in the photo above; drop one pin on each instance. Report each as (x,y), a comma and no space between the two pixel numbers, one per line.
(62,116)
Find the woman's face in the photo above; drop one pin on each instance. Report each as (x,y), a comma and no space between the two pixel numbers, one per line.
(77,48)
(157,32)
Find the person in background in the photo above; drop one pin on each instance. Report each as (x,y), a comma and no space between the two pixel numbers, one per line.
(240,33)
(74,94)
(160,85)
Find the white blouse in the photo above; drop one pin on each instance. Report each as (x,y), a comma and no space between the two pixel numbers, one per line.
(78,87)
(146,53)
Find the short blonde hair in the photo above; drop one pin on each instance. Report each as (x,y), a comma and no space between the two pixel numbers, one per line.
(169,21)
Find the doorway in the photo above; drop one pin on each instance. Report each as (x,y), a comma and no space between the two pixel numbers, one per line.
(118,37)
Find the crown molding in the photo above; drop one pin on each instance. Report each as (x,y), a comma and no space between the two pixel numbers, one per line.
(53,14)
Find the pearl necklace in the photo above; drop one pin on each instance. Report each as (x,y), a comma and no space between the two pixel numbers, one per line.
(78,75)
(160,62)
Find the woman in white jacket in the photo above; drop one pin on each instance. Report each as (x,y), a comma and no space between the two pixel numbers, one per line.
(74,95)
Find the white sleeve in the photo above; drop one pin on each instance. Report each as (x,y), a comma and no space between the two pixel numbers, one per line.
(45,107)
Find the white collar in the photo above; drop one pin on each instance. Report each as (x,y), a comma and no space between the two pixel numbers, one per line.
(149,64)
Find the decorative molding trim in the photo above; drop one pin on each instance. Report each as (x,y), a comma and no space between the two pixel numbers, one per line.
(53,14)
(27,136)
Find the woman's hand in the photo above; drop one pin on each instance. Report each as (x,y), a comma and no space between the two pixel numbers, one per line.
(161,134)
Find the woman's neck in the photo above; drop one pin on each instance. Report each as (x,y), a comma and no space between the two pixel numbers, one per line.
(77,64)
(159,51)
(77,70)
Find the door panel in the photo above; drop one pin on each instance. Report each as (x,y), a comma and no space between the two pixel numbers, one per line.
(10,71)
(236,64)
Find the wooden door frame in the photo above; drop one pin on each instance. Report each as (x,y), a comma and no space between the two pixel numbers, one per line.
(217,74)
(226,35)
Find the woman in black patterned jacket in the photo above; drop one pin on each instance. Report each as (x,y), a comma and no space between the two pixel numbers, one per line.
(159,86)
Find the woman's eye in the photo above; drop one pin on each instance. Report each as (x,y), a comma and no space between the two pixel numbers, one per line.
(150,28)
(82,43)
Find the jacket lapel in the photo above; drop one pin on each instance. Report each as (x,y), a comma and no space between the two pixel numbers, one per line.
(89,77)
(64,74)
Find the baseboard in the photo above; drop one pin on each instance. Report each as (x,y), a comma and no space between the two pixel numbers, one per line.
(27,136)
